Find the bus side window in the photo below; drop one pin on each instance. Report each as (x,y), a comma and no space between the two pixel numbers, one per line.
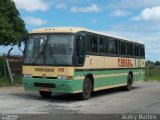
(129,48)
(123,48)
(142,51)
(89,43)
(106,43)
(80,49)
(101,45)
(136,50)
(113,46)
(92,43)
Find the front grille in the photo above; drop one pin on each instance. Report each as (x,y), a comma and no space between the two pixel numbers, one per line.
(47,85)
(45,77)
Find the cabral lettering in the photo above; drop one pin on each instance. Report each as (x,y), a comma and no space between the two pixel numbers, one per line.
(125,62)
(60,69)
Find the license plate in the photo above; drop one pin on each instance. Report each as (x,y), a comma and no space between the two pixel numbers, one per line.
(44,89)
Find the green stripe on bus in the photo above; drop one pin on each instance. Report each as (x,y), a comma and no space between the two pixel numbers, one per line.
(112,77)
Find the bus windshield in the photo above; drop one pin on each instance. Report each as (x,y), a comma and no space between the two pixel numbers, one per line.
(51,49)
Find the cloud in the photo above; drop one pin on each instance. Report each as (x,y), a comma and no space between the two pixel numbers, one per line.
(61,6)
(31,5)
(34,21)
(93,21)
(149,14)
(133,4)
(152,27)
(120,13)
(91,8)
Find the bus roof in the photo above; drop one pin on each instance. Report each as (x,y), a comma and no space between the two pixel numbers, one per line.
(74,30)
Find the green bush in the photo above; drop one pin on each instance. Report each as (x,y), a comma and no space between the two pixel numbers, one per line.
(152,74)
(4,81)
(7,82)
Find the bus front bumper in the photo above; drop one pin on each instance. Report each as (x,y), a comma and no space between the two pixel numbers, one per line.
(52,85)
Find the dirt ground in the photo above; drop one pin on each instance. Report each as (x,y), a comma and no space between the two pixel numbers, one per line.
(143,98)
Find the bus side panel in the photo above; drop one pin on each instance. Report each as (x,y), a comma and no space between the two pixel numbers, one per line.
(109,78)
(103,79)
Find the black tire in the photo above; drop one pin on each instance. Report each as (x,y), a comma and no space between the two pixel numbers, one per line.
(87,89)
(129,82)
(45,94)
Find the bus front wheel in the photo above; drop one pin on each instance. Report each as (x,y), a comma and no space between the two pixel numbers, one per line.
(129,83)
(87,89)
(45,94)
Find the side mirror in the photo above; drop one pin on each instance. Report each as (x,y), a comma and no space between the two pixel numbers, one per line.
(19,46)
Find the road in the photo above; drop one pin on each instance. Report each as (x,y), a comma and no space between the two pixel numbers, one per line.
(143,98)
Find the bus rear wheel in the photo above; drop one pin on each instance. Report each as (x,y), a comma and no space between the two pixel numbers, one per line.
(128,87)
(45,94)
(87,89)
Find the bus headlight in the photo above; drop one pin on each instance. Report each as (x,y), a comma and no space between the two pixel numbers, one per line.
(64,77)
(27,76)
(60,77)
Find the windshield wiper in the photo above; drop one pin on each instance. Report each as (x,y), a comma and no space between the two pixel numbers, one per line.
(41,53)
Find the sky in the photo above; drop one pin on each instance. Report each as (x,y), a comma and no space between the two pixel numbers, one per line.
(138,20)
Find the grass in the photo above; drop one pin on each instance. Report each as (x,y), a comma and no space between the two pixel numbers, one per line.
(6,81)
(152,74)
(152,78)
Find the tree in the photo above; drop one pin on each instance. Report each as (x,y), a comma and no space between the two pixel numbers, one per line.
(157,63)
(12,27)
(149,63)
